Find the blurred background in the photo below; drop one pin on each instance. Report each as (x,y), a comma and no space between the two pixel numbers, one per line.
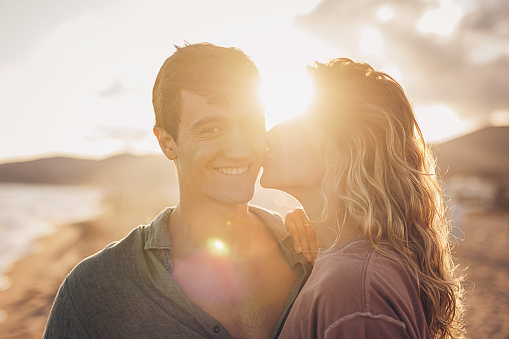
(77,153)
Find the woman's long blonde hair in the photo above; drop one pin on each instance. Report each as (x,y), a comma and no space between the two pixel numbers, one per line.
(380,178)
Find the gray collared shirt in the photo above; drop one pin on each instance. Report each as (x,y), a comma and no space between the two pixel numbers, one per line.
(125,290)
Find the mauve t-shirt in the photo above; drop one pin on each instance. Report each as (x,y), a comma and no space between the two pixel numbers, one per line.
(356,292)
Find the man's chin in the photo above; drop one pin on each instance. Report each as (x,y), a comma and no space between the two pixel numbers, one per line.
(236,197)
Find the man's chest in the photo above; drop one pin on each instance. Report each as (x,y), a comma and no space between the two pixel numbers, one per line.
(247,298)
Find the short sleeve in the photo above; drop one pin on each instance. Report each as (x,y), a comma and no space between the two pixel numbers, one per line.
(364,326)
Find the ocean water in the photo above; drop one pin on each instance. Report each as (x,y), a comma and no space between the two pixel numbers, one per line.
(29,211)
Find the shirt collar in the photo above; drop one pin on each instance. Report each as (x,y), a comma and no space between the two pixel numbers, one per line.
(158,232)
(159,235)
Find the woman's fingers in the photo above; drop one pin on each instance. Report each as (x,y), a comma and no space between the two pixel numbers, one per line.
(292,229)
(299,219)
(302,233)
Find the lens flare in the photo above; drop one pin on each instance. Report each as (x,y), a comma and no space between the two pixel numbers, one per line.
(218,247)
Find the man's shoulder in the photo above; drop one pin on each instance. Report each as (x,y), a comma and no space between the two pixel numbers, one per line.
(125,253)
(266,215)
(272,220)
(107,264)
(275,224)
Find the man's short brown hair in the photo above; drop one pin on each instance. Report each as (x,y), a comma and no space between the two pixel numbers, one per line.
(203,68)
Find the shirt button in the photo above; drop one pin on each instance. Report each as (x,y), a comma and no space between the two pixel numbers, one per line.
(167,266)
(216,329)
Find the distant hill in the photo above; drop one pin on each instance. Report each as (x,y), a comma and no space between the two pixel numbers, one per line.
(125,168)
(484,152)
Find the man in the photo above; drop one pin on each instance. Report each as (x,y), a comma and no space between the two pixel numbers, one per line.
(212,266)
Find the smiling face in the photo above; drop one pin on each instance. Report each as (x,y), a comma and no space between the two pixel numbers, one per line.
(294,163)
(220,146)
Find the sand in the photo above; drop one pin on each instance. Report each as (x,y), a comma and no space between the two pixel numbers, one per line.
(36,278)
(483,256)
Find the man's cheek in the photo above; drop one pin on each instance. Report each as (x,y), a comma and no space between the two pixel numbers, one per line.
(260,145)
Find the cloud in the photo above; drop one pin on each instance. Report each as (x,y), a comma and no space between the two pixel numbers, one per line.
(122,133)
(466,70)
(23,23)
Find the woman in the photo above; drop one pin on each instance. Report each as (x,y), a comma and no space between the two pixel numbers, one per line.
(358,164)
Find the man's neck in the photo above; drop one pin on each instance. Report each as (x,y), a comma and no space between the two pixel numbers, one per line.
(199,223)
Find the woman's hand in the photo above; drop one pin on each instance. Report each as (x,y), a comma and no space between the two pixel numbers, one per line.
(302,233)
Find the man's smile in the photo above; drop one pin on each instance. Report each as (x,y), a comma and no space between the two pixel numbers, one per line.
(233,170)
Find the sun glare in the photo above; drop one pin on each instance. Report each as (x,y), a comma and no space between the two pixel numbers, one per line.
(286,99)
(439,123)
(282,58)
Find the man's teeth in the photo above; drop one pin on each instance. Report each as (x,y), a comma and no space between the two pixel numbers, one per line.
(233,170)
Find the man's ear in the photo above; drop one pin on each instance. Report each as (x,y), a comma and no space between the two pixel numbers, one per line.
(166,142)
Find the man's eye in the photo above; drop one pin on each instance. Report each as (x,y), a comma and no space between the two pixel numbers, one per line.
(211,130)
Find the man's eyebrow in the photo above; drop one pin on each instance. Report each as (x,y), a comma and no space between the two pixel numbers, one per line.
(218,99)
(208,120)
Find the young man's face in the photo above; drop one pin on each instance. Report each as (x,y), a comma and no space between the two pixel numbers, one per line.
(220,146)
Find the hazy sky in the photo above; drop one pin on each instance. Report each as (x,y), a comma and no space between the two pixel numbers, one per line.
(76,76)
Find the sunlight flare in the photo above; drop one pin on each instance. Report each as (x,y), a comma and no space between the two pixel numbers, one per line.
(282,58)
(218,247)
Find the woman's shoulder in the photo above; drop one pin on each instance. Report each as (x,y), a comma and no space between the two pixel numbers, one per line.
(348,257)
(387,268)
(358,268)
(390,288)
(341,271)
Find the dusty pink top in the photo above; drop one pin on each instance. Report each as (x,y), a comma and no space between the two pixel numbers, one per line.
(355,292)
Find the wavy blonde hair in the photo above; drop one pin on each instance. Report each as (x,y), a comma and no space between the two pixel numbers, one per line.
(380,178)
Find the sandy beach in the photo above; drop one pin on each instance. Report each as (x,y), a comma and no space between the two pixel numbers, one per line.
(483,256)
(35,279)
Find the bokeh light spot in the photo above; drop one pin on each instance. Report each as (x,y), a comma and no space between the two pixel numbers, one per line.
(499,118)
(480,234)
(442,20)
(3,316)
(280,200)
(385,13)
